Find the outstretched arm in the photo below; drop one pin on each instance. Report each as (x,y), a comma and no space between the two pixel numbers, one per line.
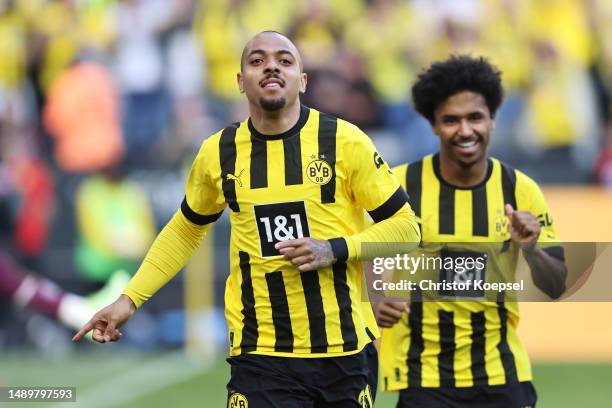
(170,251)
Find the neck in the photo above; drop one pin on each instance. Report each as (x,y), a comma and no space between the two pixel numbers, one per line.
(275,122)
(462,175)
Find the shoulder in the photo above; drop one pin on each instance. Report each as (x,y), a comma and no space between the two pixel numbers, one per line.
(211,143)
(208,155)
(346,132)
(524,181)
(520,179)
(524,186)
(527,190)
(351,132)
(400,169)
(506,170)
(416,165)
(399,172)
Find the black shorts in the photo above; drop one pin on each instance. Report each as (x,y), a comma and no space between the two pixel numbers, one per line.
(259,381)
(519,395)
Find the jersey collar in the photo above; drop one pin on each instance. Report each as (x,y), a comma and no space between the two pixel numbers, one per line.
(436,167)
(304,113)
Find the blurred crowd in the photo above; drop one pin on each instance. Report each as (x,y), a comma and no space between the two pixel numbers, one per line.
(104,102)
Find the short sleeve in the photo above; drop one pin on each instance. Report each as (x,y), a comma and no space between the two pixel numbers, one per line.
(400,174)
(530,198)
(372,182)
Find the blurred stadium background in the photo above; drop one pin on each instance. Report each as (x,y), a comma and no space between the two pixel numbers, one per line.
(103,104)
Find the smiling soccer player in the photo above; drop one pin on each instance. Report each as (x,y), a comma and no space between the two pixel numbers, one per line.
(449,353)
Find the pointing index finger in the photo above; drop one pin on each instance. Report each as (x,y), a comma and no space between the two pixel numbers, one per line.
(83,331)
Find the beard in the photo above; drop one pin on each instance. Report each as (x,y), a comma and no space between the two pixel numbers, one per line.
(272,105)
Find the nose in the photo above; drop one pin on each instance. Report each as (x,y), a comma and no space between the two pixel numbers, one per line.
(464,128)
(271,66)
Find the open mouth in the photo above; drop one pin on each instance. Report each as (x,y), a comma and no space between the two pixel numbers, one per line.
(271,83)
(467,144)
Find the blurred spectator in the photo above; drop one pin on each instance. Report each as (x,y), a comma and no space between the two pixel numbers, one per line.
(13,59)
(387,55)
(223,26)
(17,115)
(505,42)
(562,116)
(26,291)
(337,81)
(603,167)
(600,17)
(82,114)
(185,79)
(34,185)
(115,225)
(391,59)
(139,65)
(54,25)
(316,32)
(27,195)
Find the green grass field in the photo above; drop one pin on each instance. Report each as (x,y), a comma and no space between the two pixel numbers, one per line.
(168,379)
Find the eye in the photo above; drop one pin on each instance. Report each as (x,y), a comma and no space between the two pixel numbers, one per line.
(449,120)
(256,61)
(286,61)
(476,116)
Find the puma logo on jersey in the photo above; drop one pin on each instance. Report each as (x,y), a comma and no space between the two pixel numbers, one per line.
(230,176)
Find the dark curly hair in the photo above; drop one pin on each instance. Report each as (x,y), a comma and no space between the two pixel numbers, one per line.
(458,73)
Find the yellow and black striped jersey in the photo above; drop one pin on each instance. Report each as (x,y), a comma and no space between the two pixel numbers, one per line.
(449,343)
(314,180)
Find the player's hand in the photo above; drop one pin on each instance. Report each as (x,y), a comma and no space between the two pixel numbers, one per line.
(388,313)
(106,323)
(307,254)
(524,228)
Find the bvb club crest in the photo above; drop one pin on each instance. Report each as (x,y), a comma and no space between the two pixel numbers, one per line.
(502,225)
(319,172)
(237,400)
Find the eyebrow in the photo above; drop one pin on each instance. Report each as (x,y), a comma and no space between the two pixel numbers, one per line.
(279,52)
(456,115)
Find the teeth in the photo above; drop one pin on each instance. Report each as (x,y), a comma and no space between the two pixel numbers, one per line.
(467,144)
